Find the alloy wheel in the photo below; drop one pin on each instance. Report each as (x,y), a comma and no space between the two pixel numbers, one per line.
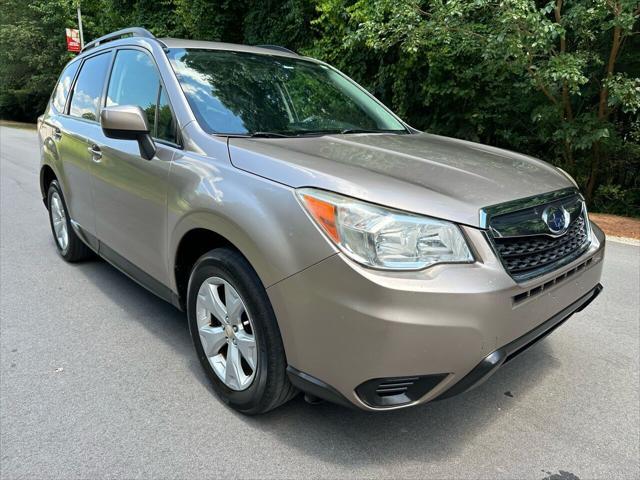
(226,333)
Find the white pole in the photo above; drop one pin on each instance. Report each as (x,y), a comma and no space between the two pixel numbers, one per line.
(80,26)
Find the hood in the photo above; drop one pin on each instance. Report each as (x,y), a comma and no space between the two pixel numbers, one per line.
(422,173)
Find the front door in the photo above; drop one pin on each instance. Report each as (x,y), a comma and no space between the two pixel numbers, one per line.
(130,193)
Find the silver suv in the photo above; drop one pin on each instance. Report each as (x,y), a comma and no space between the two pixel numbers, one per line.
(315,240)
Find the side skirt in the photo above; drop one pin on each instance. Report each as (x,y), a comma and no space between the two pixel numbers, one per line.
(129,269)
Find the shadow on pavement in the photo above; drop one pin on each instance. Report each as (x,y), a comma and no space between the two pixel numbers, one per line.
(425,433)
(335,434)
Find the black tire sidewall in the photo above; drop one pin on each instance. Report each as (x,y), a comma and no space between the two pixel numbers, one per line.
(54,187)
(232,267)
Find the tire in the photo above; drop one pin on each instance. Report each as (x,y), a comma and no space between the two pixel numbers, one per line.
(228,273)
(72,249)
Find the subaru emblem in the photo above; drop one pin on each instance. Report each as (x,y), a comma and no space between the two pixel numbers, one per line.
(556,218)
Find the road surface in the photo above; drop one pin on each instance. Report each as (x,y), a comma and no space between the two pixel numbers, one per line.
(98,379)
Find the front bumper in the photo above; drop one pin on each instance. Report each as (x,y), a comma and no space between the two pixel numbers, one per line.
(496,359)
(450,326)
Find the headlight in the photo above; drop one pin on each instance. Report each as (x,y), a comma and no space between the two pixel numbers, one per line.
(384,238)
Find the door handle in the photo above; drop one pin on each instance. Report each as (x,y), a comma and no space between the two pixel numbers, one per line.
(96,153)
(57,133)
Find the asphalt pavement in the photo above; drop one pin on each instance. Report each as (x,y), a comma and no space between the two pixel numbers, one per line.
(98,378)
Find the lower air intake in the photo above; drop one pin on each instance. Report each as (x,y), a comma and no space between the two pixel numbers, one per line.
(395,391)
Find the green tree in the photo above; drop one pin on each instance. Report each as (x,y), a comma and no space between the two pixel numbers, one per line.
(32,51)
(559,79)
(279,22)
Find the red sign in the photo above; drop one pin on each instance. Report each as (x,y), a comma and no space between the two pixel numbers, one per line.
(73,40)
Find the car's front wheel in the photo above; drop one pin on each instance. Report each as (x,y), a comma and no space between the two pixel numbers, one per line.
(69,245)
(235,333)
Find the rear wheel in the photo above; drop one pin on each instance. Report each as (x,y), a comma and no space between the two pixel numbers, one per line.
(235,333)
(69,245)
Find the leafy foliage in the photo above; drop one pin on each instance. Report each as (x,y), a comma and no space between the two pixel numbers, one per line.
(555,79)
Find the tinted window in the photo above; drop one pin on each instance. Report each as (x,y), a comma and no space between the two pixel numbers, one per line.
(64,85)
(135,81)
(166,124)
(85,101)
(243,93)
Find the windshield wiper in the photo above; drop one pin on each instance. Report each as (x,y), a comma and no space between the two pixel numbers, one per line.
(364,130)
(302,133)
(269,135)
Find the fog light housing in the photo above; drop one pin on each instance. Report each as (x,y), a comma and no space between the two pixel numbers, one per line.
(397,391)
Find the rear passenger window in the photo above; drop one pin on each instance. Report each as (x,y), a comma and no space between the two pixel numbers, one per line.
(85,100)
(62,88)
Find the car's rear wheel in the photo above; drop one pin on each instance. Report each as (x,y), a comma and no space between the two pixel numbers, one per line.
(69,245)
(235,333)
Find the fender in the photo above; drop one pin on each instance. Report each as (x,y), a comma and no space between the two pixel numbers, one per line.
(207,191)
(227,229)
(50,156)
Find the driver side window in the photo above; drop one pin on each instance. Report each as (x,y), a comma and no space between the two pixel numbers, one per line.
(135,81)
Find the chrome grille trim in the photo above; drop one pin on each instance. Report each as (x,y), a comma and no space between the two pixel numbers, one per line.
(521,254)
(487,213)
(523,243)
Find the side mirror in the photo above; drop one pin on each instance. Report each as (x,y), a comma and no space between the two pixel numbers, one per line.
(128,122)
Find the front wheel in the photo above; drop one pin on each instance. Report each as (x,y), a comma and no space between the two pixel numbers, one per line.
(235,333)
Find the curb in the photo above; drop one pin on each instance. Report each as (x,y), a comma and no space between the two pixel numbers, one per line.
(625,240)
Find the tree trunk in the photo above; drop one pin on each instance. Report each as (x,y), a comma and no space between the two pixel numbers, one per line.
(567,109)
(603,110)
(593,174)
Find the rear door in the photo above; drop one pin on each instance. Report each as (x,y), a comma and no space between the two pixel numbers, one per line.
(73,129)
(49,132)
(130,193)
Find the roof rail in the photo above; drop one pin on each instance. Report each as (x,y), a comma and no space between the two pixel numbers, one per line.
(125,32)
(278,48)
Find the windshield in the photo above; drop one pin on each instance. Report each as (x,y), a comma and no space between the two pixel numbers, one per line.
(240,93)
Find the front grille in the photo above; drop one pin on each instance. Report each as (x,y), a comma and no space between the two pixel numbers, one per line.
(525,244)
(526,254)
(521,297)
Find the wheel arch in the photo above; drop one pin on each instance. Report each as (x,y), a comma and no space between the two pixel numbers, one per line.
(47,175)
(193,244)
(202,232)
